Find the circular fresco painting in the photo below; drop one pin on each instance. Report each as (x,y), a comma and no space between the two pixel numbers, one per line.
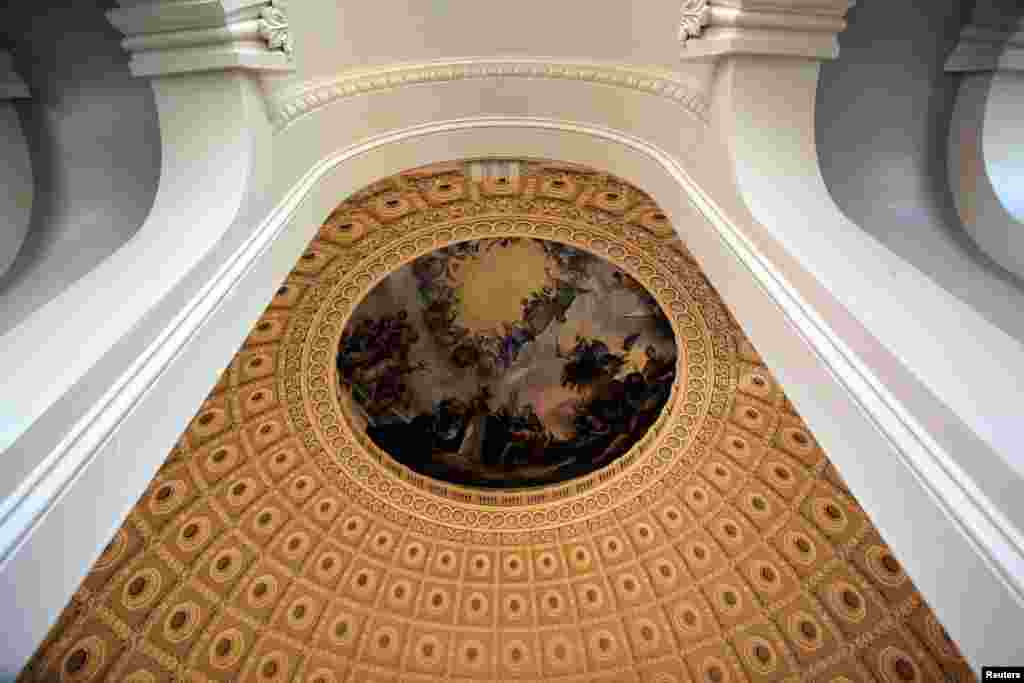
(507,363)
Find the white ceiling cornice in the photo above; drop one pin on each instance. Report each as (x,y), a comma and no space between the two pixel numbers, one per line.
(174,37)
(798,28)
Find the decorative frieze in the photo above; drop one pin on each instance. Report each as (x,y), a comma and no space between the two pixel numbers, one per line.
(290,105)
(172,37)
(799,28)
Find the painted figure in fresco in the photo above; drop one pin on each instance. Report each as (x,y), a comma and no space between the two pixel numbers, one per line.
(463,438)
(589,362)
(440,314)
(372,341)
(571,260)
(617,412)
(373,359)
(516,337)
(658,369)
(429,269)
(653,311)
(444,429)
(440,311)
(550,304)
(496,352)
(389,392)
(514,436)
(465,355)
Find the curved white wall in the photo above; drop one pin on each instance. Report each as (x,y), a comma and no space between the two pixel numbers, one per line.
(883,117)
(94,142)
(15,185)
(986,164)
(390,31)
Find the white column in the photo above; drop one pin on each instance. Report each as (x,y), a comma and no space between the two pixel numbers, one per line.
(986,139)
(16,170)
(940,385)
(74,371)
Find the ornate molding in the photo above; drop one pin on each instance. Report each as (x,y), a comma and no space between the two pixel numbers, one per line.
(357,537)
(170,38)
(677,443)
(694,16)
(12,87)
(798,28)
(274,27)
(291,105)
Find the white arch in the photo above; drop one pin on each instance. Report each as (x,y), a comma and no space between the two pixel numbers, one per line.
(985,164)
(831,361)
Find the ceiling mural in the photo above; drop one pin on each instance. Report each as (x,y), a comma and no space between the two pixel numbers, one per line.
(496,425)
(507,362)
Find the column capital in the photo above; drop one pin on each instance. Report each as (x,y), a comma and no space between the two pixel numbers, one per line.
(180,36)
(12,87)
(797,28)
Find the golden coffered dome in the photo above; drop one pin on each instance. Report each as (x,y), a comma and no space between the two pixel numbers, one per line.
(282,542)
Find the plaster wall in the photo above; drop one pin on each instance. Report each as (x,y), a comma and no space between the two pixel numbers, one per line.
(94,143)
(15,185)
(883,117)
(393,31)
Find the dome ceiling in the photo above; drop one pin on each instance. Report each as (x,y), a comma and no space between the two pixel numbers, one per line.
(286,539)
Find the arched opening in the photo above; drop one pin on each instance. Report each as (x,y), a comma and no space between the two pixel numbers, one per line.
(727,520)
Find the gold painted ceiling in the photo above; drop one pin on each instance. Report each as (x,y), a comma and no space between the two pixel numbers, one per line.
(278,543)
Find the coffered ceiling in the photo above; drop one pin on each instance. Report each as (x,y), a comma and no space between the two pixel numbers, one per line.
(280,543)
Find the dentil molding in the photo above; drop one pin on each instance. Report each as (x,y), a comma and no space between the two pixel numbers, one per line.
(292,104)
(173,37)
(797,28)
